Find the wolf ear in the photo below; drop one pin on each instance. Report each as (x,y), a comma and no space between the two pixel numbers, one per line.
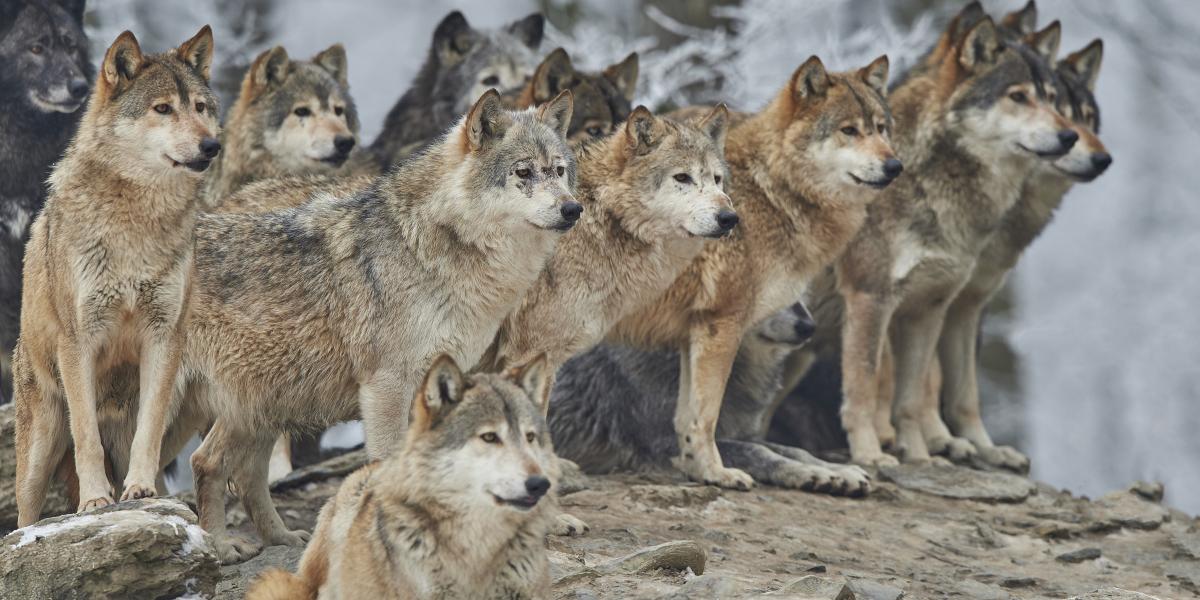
(810,80)
(1022,21)
(533,377)
(552,76)
(269,69)
(876,75)
(1045,42)
(1086,63)
(642,131)
(529,30)
(980,46)
(956,29)
(198,51)
(557,113)
(624,75)
(453,38)
(486,120)
(122,61)
(716,124)
(441,390)
(333,60)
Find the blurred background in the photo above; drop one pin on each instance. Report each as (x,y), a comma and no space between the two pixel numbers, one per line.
(1091,354)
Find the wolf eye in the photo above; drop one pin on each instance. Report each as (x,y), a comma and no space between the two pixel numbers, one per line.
(717,179)
(524,173)
(683,178)
(338,110)
(529,437)
(490,437)
(162,109)
(561,170)
(595,131)
(36,48)
(302,111)
(850,131)
(882,127)
(200,106)
(1018,97)
(490,80)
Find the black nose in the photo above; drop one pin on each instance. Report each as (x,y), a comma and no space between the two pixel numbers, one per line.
(1101,160)
(892,168)
(571,210)
(805,325)
(343,143)
(536,486)
(78,87)
(210,147)
(1067,138)
(727,219)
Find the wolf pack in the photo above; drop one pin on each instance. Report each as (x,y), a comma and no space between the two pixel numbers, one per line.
(524,268)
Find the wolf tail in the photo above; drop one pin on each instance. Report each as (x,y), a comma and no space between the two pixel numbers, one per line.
(277,584)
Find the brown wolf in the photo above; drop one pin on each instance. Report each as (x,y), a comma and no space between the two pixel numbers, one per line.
(460,512)
(109,265)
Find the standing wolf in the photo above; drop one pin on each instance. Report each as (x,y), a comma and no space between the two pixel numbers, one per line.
(45,77)
(463,62)
(109,266)
(461,512)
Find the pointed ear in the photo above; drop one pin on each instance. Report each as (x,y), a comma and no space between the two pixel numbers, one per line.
(333,60)
(453,38)
(980,46)
(198,51)
(535,378)
(623,75)
(716,124)
(441,390)
(557,113)
(642,131)
(1086,63)
(809,81)
(1045,42)
(268,70)
(122,61)
(552,76)
(1022,21)
(876,75)
(955,30)
(486,121)
(529,30)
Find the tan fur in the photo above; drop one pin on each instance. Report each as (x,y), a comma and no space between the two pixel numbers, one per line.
(108,270)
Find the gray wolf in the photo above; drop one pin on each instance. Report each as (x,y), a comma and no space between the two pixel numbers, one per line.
(330,311)
(603,100)
(460,512)
(802,172)
(46,77)
(109,267)
(292,117)
(463,62)
(611,410)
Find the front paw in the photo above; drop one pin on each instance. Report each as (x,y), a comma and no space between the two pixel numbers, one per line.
(958,450)
(232,549)
(296,537)
(568,525)
(1005,457)
(135,491)
(850,480)
(95,503)
(874,460)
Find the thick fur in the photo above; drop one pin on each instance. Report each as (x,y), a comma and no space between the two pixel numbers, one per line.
(45,79)
(460,512)
(463,62)
(799,171)
(292,117)
(110,265)
(603,100)
(309,316)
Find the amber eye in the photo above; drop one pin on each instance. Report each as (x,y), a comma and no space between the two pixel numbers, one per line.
(561,170)
(338,110)
(200,106)
(717,179)
(683,178)
(529,437)
(490,437)
(162,109)
(1018,97)
(490,80)
(524,173)
(850,131)
(302,111)
(36,48)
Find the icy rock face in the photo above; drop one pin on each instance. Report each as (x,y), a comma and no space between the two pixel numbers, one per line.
(138,549)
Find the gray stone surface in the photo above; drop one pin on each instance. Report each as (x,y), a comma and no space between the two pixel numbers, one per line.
(676,556)
(949,481)
(236,579)
(1114,594)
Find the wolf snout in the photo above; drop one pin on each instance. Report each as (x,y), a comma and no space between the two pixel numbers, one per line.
(1100,161)
(571,210)
(892,168)
(78,87)
(537,486)
(805,325)
(209,147)
(1067,138)
(727,220)
(343,144)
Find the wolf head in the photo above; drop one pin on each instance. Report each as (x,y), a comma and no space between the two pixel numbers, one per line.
(470,61)
(790,327)
(516,166)
(156,111)
(301,112)
(44,53)
(1077,75)
(671,175)
(835,128)
(602,100)
(483,439)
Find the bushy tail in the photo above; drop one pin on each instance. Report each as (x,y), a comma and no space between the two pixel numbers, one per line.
(277,584)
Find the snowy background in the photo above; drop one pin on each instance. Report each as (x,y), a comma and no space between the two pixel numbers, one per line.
(1091,356)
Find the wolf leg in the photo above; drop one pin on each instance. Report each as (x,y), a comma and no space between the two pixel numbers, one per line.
(851,480)
(886,386)
(704,369)
(767,465)
(78,368)
(863,337)
(211,477)
(281,458)
(41,442)
(914,338)
(385,402)
(250,481)
(159,365)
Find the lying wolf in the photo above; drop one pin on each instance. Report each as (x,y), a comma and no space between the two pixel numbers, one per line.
(460,513)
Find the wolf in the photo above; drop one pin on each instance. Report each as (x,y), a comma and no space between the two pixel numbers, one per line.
(972,127)
(109,267)
(603,101)
(463,62)
(460,512)
(802,171)
(46,78)
(292,117)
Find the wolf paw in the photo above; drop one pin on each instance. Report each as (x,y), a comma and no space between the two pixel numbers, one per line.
(295,537)
(734,479)
(232,549)
(95,503)
(850,480)
(875,460)
(568,525)
(137,490)
(1005,457)
(957,449)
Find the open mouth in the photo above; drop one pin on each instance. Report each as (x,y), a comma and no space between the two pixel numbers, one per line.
(66,106)
(197,166)
(1045,154)
(879,185)
(522,503)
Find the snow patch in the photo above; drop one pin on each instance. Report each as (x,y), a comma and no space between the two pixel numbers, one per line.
(33,533)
